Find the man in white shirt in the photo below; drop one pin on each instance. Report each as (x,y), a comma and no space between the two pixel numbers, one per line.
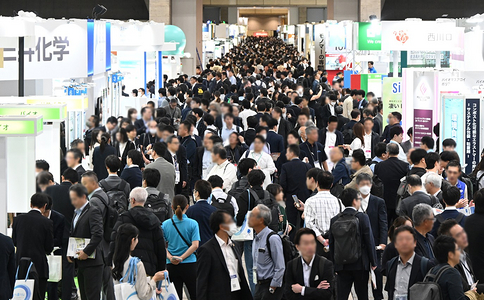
(320,208)
(231,77)
(396,132)
(247,112)
(264,161)
(219,194)
(223,168)
(228,128)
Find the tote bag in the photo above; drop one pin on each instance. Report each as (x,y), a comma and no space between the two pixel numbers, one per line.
(24,288)
(168,291)
(127,290)
(245,232)
(55,267)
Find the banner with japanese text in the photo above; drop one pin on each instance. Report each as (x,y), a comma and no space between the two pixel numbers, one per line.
(472,126)
(392,95)
(424,101)
(453,118)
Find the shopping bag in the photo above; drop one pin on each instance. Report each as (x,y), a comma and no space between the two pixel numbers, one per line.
(245,233)
(127,290)
(24,288)
(168,291)
(55,267)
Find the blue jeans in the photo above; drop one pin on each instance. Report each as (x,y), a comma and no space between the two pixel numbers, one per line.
(249,262)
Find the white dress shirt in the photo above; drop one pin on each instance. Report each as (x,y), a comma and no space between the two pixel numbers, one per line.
(229,255)
(306,273)
(265,162)
(330,139)
(364,203)
(367,139)
(227,171)
(319,209)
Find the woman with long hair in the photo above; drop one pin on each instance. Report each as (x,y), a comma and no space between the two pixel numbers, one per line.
(99,156)
(277,191)
(390,251)
(123,146)
(359,141)
(132,115)
(95,142)
(126,241)
(182,236)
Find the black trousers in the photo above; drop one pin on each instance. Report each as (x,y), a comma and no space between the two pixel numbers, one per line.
(108,284)
(345,279)
(262,292)
(391,215)
(42,288)
(320,250)
(90,282)
(378,292)
(184,274)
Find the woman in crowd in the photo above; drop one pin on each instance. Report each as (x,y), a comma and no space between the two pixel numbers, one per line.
(359,141)
(132,115)
(182,236)
(390,251)
(126,241)
(95,142)
(99,156)
(276,190)
(123,146)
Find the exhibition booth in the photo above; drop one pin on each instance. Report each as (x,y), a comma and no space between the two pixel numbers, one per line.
(218,39)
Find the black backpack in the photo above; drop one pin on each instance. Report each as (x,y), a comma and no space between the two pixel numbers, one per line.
(109,220)
(271,203)
(288,249)
(348,135)
(429,289)
(377,186)
(224,204)
(116,195)
(240,186)
(158,206)
(339,187)
(347,241)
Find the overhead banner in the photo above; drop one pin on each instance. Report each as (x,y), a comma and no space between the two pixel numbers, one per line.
(453,117)
(369,36)
(320,46)
(472,126)
(392,95)
(420,35)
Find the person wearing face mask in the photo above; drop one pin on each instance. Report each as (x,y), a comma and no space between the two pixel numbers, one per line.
(218,261)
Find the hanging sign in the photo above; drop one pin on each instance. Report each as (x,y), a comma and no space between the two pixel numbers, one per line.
(472,126)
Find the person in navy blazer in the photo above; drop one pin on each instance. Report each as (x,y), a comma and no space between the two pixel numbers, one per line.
(7,267)
(293,181)
(202,210)
(332,125)
(451,196)
(341,170)
(357,272)
(376,210)
(275,140)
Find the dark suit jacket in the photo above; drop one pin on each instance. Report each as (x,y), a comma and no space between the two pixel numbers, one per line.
(201,212)
(341,172)
(377,213)
(212,267)
(293,180)
(140,126)
(447,214)
(341,122)
(375,139)
(320,155)
(133,176)
(390,172)
(99,158)
(249,136)
(59,228)
(197,166)
(33,236)
(421,248)
(416,274)
(473,227)
(181,157)
(61,201)
(465,284)
(80,171)
(315,278)
(406,205)
(201,128)
(275,141)
(90,225)
(129,146)
(368,252)
(385,136)
(284,128)
(7,267)
(322,137)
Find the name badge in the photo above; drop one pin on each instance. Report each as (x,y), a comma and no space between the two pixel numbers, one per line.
(204,174)
(368,153)
(254,275)
(234,283)
(177,177)
(317,165)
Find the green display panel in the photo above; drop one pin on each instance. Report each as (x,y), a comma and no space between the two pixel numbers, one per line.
(369,36)
(48,113)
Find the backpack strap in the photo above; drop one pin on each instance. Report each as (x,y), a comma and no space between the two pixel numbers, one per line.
(424,265)
(179,233)
(479,179)
(247,153)
(440,218)
(459,217)
(268,244)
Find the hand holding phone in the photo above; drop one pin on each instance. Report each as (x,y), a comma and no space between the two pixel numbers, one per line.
(296,201)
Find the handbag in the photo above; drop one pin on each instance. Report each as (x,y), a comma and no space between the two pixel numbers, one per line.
(55,267)
(127,290)
(245,232)
(168,291)
(24,288)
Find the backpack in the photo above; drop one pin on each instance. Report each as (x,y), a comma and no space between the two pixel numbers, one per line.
(158,206)
(239,187)
(224,204)
(339,187)
(116,195)
(348,135)
(271,203)
(347,241)
(441,219)
(470,185)
(475,181)
(429,289)
(402,191)
(288,249)
(109,220)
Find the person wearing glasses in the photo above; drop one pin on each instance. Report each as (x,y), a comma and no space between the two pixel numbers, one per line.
(423,221)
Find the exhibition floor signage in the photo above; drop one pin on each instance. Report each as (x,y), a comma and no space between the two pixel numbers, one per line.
(392,95)
(453,126)
(422,125)
(369,36)
(320,46)
(472,125)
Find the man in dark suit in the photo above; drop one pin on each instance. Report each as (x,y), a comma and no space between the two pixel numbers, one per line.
(275,140)
(394,119)
(418,196)
(405,242)
(200,125)
(7,267)
(342,120)
(201,210)
(250,133)
(473,227)
(177,156)
(316,155)
(368,125)
(142,124)
(390,172)
(293,181)
(283,126)
(358,271)
(376,210)
(88,224)
(33,236)
(309,276)
(74,161)
(218,261)
(341,170)
(451,197)
(335,136)
(61,203)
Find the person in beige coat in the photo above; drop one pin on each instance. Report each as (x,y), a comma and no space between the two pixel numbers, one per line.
(358,164)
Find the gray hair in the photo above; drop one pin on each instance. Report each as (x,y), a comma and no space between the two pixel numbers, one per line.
(139,194)
(265,213)
(363,177)
(434,179)
(170,139)
(310,128)
(392,149)
(420,213)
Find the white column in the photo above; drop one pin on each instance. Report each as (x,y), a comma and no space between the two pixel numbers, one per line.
(3,185)
(396,55)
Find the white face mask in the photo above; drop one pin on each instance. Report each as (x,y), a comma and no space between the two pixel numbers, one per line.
(232,229)
(264,135)
(365,190)
(153,130)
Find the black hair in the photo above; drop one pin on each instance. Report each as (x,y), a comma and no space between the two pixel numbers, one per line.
(256,177)
(216,181)
(395,130)
(159,148)
(152,177)
(135,156)
(348,196)
(398,222)
(325,179)
(449,156)
(294,149)
(332,119)
(105,137)
(204,188)
(49,203)
(442,246)
(417,155)
(112,163)
(410,131)
(451,195)
(454,163)
(124,236)
(42,164)
(78,189)
(130,128)
(245,164)
(71,175)
(39,200)
(301,232)
(217,218)
(112,120)
(198,112)
(220,151)
(446,226)
(428,141)
(405,228)
(179,203)
(431,159)
(252,122)
(274,189)
(397,115)
(260,138)
(414,180)
(359,157)
(45,177)
(77,154)
(209,119)
(355,113)
(380,149)
(449,143)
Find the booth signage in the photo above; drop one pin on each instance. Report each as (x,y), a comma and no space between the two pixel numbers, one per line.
(369,36)
(320,46)
(73,103)
(48,113)
(422,124)
(472,125)
(453,118)
(18,127)
(392,95)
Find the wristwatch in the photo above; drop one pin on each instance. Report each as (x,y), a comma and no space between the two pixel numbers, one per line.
(271,290)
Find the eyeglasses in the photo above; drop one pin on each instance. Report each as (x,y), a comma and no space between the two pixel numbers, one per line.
(430,219)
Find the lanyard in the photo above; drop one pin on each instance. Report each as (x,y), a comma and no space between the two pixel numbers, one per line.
(258,158)
(312,154)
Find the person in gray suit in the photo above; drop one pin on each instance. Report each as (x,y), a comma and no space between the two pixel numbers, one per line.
(166,169)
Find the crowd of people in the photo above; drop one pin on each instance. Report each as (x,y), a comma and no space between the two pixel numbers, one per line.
(330,194)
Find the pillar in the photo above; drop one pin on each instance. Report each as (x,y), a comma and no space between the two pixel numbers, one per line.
(341,10)
(302,15)
(368,8)
(293,15)
(160,11)
(224,15)
(232,15)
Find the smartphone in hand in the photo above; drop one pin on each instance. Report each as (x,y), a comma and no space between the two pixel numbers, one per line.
(296,201)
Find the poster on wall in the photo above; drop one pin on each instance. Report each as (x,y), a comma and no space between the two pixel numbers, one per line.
(424,101)
(392,95)
(320,46)
(472,126)
(369,36)
(453,126)
(422,124)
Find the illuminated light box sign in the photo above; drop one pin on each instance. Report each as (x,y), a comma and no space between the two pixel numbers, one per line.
(453,121)
(21,125)
(369,36)
(73,102)
(392,95)
(48,112)
(368,83)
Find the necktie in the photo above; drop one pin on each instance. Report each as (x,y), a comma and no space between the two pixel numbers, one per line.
(175,162)
(78,213)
